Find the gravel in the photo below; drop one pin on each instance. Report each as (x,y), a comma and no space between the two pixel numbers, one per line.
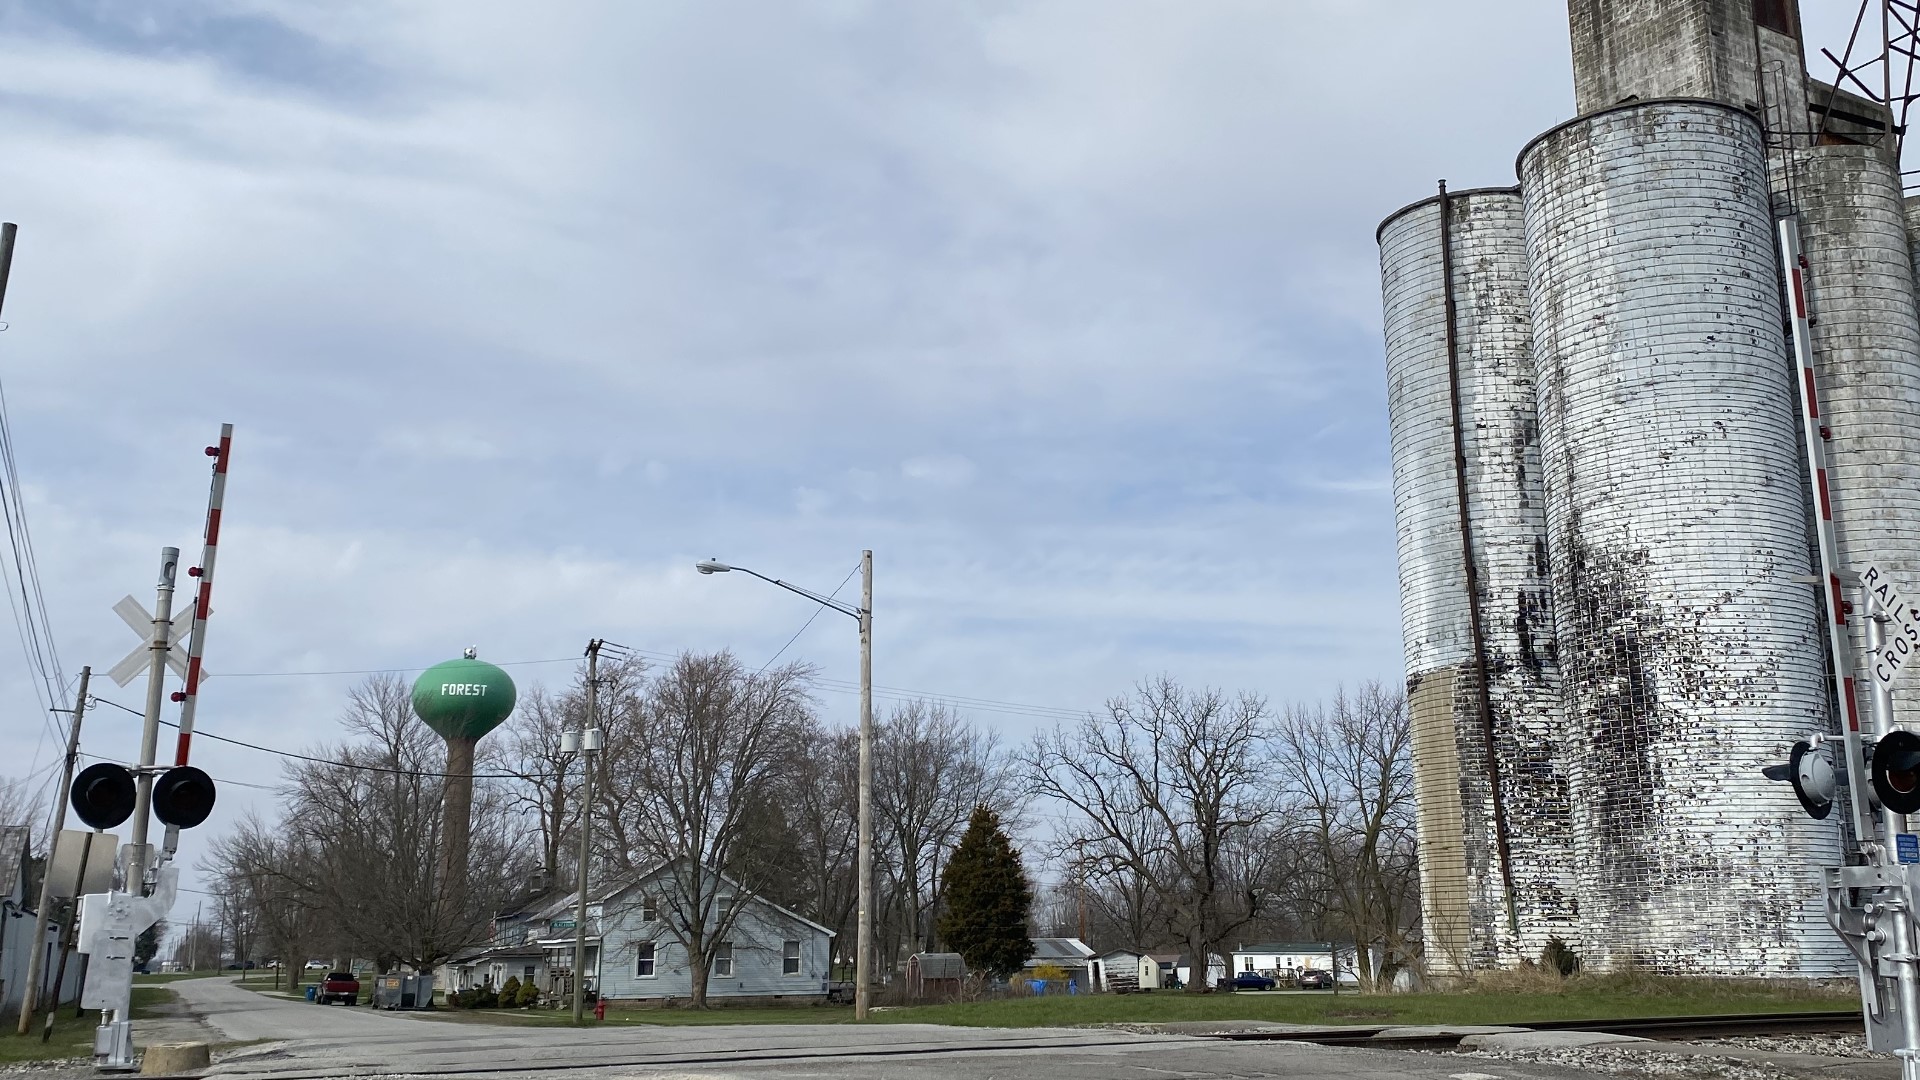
(1841,1046)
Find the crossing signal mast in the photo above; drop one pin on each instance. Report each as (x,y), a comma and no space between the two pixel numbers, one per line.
(1873,903)
(106,794)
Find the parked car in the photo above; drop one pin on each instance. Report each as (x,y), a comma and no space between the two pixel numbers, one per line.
(1315,979)
(338,986)
(316,965)
(1248,980)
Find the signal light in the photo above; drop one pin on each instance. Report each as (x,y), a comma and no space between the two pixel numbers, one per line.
(1895,768)
(1812,777)
(183,796)
(103,795)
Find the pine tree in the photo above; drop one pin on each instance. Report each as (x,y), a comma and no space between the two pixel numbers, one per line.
(987,899)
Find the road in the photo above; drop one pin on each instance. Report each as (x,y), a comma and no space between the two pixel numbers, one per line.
(313,1041)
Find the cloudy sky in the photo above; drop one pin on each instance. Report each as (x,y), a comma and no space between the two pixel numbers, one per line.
(1069,310)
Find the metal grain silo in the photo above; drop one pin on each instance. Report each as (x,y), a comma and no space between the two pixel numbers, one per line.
(1495,874)
(1676,527)
(1866,331)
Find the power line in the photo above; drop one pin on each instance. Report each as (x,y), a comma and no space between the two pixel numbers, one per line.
(818,608)
(202,733)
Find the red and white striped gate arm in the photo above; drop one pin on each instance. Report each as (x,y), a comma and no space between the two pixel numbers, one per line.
(203,600)
(1815,433)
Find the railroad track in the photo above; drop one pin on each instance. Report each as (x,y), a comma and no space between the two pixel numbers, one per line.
(1668,1028)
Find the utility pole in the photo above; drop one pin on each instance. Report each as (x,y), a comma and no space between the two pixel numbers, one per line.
(36,961)
(589,743)
(863,962)
(138,850)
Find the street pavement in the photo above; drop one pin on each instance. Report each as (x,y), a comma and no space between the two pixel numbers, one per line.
(309,1042)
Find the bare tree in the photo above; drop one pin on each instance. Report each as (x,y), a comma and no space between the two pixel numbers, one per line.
(819,796)
(533,754)
(374,823)
(692,771)
(1350,786)
(1170,791)
(273,874)
(931,768)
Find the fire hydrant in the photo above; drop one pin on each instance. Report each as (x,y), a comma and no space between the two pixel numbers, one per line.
(600,1009)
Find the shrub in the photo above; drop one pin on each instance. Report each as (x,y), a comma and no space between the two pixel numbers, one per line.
(486,999)
(510,992)
(529,994)
(1559,958)
(1052,974)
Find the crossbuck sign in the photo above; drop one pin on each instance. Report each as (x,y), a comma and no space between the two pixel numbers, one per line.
(138,617)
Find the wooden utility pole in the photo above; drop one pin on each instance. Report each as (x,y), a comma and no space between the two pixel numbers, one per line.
(37,961)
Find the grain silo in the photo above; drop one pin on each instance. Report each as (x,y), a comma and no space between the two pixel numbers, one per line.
(1676,528)
(1866,332)
(1495,870)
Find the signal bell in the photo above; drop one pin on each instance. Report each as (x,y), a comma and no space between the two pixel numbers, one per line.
(1811,774)
(1895,768)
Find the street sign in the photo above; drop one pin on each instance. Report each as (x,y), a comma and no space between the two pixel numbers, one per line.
(561,924)
(1902,639)
(137,616)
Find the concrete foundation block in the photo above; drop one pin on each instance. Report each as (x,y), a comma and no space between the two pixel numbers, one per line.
(1543,1040)
(174,1059)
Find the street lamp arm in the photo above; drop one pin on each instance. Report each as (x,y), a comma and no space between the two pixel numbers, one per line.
(840,606)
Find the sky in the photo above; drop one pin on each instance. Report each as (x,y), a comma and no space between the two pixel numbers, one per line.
(1068,310)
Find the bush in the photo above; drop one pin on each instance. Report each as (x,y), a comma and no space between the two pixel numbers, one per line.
(529,994)
(486,998)
(1557,957)
(1052,973)
(510,992)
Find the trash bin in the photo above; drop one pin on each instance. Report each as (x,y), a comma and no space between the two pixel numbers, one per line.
(313,992)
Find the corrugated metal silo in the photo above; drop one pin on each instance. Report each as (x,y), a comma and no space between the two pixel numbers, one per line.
(1676,527)
(1490,793)
(1866,330)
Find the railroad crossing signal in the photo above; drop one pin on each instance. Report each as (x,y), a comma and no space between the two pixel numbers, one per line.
(140,619)
(1810,771)
(103,795)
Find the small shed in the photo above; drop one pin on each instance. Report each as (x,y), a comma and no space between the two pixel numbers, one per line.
(1158,970)
(935,976)
(1116,972)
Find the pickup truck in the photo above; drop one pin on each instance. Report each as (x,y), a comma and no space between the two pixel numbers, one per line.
(338,986)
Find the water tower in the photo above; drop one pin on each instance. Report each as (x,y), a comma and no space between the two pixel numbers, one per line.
(461,699)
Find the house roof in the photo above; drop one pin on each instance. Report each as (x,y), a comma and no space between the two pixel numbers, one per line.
(1112,953)
(1286,947)
(1061,948)
(739,890)
(13,856)
(1164,957)
(940,965)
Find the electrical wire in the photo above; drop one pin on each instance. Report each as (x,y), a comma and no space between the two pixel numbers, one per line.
(818,608)
(202,733)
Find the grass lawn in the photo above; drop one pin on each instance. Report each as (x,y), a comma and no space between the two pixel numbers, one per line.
(71,1037)
(165,977)
(1599,998)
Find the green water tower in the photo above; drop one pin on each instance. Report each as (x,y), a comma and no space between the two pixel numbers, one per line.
(462,700)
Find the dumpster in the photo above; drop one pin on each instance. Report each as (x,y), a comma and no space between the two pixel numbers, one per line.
(403,992)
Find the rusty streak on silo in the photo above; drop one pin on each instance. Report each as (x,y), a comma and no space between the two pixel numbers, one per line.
(1461,407)
(1676,531)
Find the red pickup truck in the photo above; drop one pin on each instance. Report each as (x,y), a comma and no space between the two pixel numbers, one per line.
(338,986)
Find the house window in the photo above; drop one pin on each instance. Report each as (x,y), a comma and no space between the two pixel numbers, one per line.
(643,963)
(723,960)
(726,904)
(790,958)
(526,973)
(647,911)
(1248,965)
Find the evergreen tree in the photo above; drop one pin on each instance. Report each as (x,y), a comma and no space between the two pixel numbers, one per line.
(987,899)
(147,945)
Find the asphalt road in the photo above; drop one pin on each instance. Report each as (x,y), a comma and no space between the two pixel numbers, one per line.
(314,1041)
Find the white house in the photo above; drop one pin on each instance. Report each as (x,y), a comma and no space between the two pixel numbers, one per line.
(769,952)
(1285,959)
(17,911)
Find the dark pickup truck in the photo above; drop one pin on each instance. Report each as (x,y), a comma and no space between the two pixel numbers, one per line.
(338,986)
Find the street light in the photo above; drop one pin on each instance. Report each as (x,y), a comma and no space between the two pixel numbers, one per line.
(864,616)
